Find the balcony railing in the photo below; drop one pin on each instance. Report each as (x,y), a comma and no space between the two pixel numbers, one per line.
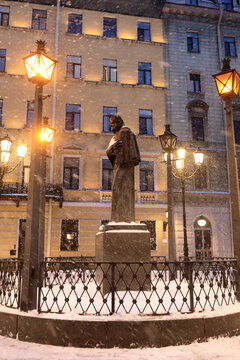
(18,192)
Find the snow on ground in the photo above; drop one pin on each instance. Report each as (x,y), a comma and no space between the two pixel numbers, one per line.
(217,349)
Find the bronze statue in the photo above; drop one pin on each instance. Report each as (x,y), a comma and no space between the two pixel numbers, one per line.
(124,154)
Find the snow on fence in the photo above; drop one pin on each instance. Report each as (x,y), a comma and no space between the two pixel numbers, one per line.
(150,288)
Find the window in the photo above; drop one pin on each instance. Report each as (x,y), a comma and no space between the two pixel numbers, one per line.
(71,173)
(192,42)
(143,31)
(236,122)
(30,114)
(74,66)
(39,19)
(195,82)
(229,46)
(144,73)
(69,235)
(107,174)
(192,2)
(75,24)
(109,70)
(145,122)
(197,128)
(107,112)
(203,243)
(146,176)
(227,4)
(25,175)
(151,226)
(73,117)
(2,60)
(110,27)
(200,178)
(1,108)
(4,15)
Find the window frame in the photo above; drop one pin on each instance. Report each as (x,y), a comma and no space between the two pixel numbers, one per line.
(30,112)
(203,170)
(110,181)
(4,57)
(77,236)
(195,84)
(191,2)
(72,113)
(145,160)
(227,5)
(79,171)
(107,70)
(190,49)
(227,46)
(197,137)
(75,24)
(153,244)
(198,108)
(144,72)
(146,133)
(144,38)
(2,13)
(71,74)
(105,116)
(107,30)
(38,19)
(1,112)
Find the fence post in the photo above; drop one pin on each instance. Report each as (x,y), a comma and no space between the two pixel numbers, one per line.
(190,282)
(112,288)
(40,284)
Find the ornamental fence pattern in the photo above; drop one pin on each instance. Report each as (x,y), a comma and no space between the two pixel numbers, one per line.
(10,282)
(147,288)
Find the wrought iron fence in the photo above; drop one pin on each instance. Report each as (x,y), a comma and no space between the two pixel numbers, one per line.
(10,282)
(148,288)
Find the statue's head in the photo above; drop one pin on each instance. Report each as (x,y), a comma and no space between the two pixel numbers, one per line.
(116,122)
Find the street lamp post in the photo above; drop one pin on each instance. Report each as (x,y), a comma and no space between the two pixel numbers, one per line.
(168,142)
(183,175)
(228,83)
(5,156)
(39,69)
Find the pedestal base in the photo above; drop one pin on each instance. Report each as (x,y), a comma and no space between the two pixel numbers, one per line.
(118,242)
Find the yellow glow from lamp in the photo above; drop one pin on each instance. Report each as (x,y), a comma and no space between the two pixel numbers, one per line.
(198,157)
(181,153)
(201,222)
(6,143)
(180,164)
(21,151)
(5,157)
(165,156)
(227,81)
(47,134)
(39,66)
(69,236)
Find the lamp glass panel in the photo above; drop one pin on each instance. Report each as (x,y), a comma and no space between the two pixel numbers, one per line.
(198,158)
(47,134)
(236,83)
(21,151)
(5,157)
(181,153)
(5,145)
(180,164)
(225,83)
(165,156)
(39,66)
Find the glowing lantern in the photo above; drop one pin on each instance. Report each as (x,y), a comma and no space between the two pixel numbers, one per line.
(181,153)
(180,164)
(21,151)
(201,221)
(227,81)
(39,66)
(5,149)
(198,157)
(47,133)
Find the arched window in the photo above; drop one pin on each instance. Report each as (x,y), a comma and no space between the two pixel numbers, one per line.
(202,235)
(197,113)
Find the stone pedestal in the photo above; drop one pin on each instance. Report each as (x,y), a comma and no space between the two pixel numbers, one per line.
(123,242)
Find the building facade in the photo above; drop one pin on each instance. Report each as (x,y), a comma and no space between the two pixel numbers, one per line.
(150,63)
